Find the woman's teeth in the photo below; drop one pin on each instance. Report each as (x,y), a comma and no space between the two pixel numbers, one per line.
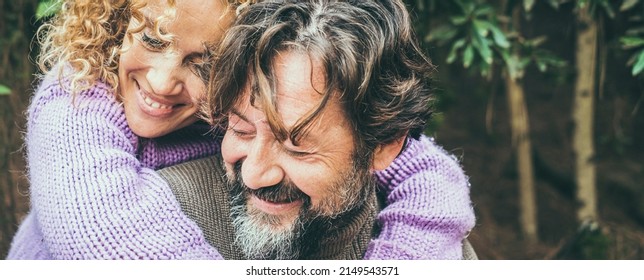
(155,104)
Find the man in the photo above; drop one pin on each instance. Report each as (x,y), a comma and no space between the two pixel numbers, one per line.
(315,96)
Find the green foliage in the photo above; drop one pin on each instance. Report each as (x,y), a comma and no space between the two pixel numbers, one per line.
(628,4)
(542,58)
(592,244)
(475,37)
(528,4)
(4,90)
(555,3)
(637,59)
(634,38)
(47,8)
(595,6)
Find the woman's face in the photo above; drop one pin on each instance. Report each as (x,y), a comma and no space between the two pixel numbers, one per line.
(162,83)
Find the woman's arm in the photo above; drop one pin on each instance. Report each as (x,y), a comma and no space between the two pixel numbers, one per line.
(91,196)
(428,211)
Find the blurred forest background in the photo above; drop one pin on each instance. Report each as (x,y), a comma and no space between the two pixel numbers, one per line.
(541,100)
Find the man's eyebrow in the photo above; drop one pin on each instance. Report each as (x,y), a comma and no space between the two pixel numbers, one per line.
(310,137)
(239,114)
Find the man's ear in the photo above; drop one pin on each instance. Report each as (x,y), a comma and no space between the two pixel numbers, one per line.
(385,154)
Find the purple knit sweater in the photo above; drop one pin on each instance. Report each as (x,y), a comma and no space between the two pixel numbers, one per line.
(95,194)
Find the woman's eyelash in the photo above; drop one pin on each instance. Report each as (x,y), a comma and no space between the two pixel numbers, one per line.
(297,153)
(153,43)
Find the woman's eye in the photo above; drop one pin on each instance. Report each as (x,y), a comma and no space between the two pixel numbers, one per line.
(153,43)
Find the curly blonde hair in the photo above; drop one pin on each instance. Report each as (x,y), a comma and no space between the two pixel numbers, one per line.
(87,36)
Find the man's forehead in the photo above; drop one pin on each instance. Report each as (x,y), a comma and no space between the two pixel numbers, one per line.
(288,116)
(298,90)
(290,110)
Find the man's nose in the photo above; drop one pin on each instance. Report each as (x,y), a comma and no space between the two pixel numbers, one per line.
(261,168)
(165,78)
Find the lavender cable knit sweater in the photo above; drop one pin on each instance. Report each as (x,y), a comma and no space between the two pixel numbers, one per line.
(95,194)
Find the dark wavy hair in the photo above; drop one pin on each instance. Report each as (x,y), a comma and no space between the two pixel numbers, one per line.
(368,49)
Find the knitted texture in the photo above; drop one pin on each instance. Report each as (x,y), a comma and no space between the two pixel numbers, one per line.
(429,211)
(95,194)
(92,197)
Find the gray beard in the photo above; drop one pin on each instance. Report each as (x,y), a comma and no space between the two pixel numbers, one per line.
(260,236)
(261,242)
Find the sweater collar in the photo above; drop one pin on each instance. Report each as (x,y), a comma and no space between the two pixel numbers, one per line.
(349,235)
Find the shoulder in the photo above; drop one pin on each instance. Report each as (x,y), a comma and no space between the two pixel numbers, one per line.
(56,112)
(423,157)
(201,170)
(430,154)
(53,95)
(426,147)
(201,189)
(196,179)
(55,88)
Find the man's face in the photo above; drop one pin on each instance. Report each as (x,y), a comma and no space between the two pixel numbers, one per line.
(280,189)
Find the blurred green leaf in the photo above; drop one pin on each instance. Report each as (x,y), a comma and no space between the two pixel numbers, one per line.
(468,56)
(458,20)
(527,5)
(554,4)
(635,30)
(631,42)
(4,90)
(485,70)
(535,42)
(607,7)
(483,48)
(499,37)
(467,6)
(454,50)
(628,4)
(549,59)
(48,8)
(484,10)
(481,27)
(441,34)
(639,64)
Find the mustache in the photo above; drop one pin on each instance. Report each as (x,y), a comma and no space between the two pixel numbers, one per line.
(283,192)
(280,193)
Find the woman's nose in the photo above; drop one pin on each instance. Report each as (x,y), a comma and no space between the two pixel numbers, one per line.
(165,78)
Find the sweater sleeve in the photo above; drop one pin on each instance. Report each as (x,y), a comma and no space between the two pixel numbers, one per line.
(91,196)
(428,210)
(27,243)
(190,143)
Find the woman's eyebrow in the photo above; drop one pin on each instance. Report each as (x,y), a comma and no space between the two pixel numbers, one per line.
(150,24)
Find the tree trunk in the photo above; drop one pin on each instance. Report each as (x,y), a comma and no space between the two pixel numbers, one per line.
(523,148)
(583,116)
(523,152)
